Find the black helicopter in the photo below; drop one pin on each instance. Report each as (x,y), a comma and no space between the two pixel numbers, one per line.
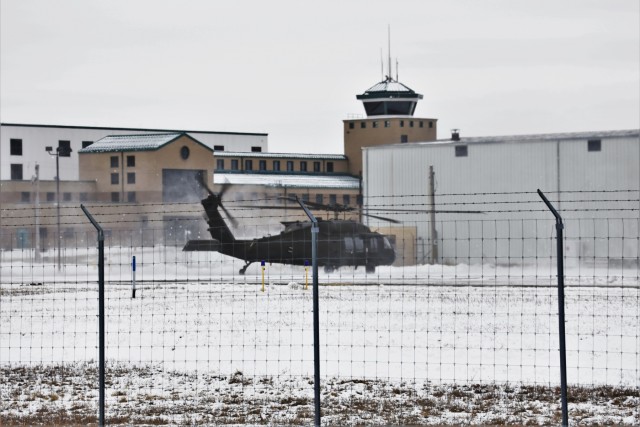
(340,242)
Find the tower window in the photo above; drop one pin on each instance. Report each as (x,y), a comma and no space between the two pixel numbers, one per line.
(430,125)
(421,123)
(410,123)
(64,148)
(351,125)
(375,124)
(363,125)
(404,138)
(461,151)
(387,123)
(256,149)
(16,147)
(594,145)
(401,123)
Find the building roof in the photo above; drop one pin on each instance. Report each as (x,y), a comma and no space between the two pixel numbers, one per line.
(131,129)
(342,182)
(630,133)
(389,88)
(145,142)
(279,155)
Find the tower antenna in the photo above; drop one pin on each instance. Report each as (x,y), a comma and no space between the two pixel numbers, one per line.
(389,47)
(381,66)
(397,70)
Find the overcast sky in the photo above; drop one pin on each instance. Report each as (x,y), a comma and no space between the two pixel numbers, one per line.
(292,69)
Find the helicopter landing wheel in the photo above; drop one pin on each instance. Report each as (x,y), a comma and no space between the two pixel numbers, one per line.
(244,269)
(370,268)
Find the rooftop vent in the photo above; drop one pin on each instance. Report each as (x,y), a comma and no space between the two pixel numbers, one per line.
(455,134)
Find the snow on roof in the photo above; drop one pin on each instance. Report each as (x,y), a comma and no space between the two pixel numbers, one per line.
(144,142)
(288,180)
(279,155)
(389,88)
(630,133)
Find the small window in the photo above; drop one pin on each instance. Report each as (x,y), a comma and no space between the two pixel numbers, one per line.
(404,138)
(359,200)
(352,125)
(16,172)
(262,165)
(256,149)
(332,199)
(184,152)
(115,197)
(305,197)
(84,196)
(115,178)
(289,166)
(375,124)
(131,196)
(131,177)
(114,161)
(387,123)
(218,148)
(319,198)
(220,164)
(359,243)
(234,164)
(594,145)
(410,123)
(346,199)
(66,197)
(316,166)
(64,148)
(276,165)
(248,165)
(430,125)
(421,124)
(303,166)
(85,144)
(131,161)
(401,123)
(44,232)
(25,197)
(348,244)
(51,196)
(363,125)
(329,166)
(16,147)
(461,151)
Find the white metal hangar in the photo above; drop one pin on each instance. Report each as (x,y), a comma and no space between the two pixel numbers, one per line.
(590,176)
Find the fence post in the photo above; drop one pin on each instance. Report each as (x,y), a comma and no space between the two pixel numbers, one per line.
(100,315)
(316,311)
(563,351)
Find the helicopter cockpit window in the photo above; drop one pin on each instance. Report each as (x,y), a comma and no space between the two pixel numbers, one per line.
(373,244)
(359,244)
(387,244)
(348,244)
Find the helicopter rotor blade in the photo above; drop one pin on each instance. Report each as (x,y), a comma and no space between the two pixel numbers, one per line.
(231,218)
(202,182)
(382,218)
(223,189)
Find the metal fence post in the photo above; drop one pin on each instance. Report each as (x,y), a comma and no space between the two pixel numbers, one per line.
(100,315)
(563,351)
(316,311)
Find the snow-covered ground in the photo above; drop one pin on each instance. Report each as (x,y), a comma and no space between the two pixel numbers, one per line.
(418,329)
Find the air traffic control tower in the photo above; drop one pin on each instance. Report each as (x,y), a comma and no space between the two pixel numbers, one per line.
(389,106)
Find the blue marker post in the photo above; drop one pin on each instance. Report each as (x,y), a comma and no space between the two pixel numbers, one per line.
(262,264)
(133,277)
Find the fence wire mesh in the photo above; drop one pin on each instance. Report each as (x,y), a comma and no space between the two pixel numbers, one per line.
(462,328)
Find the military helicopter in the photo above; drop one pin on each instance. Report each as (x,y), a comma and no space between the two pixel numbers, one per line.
(340,242)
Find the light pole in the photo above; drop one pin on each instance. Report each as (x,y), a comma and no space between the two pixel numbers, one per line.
(64,152)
